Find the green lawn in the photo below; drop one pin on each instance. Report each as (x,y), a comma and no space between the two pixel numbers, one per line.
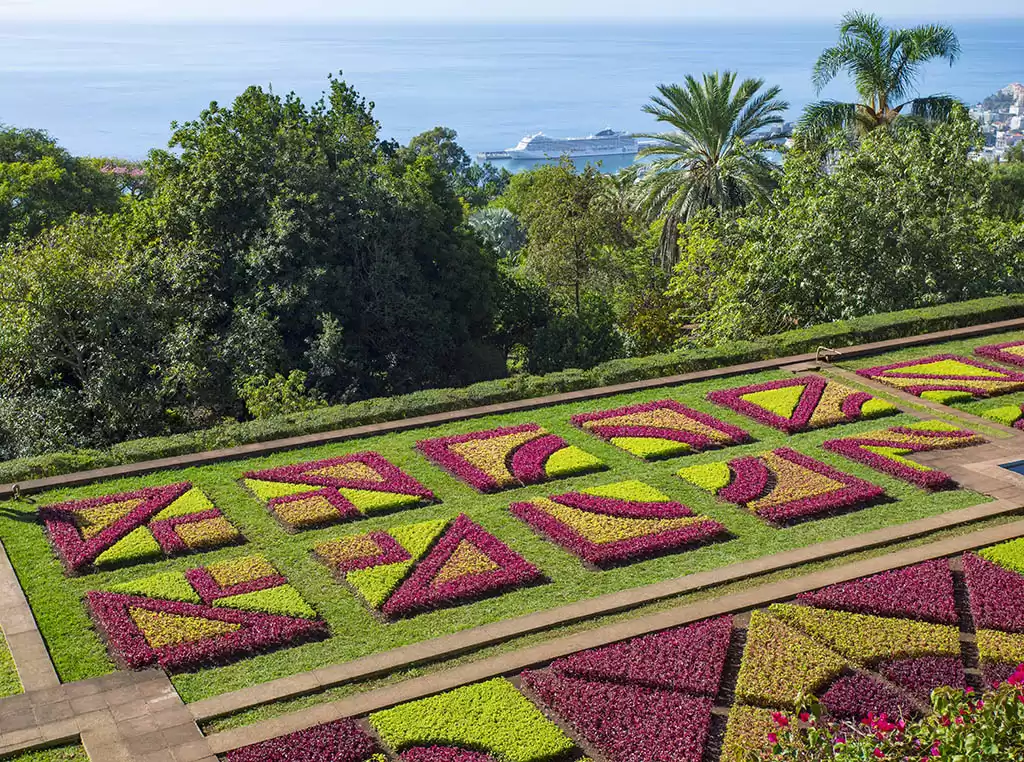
(78,652)
(9,682)
(73,753)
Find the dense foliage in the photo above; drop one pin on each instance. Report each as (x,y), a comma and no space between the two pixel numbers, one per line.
(280,259)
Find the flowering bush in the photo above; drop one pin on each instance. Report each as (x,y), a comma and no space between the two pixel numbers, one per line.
(798,404)
(408,569)
(869,639)
(884,450)
(507,457)
(616,523)
(660,429)
(783,485)
(923,592)
(338,741)
(947,373)
(135,526)
(336,489)
(654,660)
(183,621)
(491,717)
(1008,352)
(628,723)
(1008,415)
(962,726)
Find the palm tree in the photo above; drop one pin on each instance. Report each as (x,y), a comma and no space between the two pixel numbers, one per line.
(884,65)
(711,158)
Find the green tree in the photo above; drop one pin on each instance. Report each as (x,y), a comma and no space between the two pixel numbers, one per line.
(710,158)
(328,251)
(884,64)
(1006,190)
(41,184)
(501,230)
(569,229)
(902,221)
(476,184)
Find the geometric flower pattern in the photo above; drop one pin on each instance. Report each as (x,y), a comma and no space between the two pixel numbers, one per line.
(135,526)
(1008,415)
(508,457)
(183,621)
(783,485)
(1008,352)
(616,523)
(881,643)
(334,490)
(934,377)
(338,741)
(885,450)
(798,404)
(420,567)
(661,429)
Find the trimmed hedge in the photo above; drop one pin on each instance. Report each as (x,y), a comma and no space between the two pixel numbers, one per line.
(839,334)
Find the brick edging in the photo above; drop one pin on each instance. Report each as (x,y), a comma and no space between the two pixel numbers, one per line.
(256,449)
(449,646)
(542,653)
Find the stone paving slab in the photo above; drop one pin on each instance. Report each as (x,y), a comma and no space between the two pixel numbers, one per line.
(32,660)
(308,440)
(542,653)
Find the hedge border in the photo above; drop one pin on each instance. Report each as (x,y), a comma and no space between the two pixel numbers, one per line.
(436,406)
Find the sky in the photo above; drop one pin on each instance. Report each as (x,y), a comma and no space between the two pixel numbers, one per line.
(451,10)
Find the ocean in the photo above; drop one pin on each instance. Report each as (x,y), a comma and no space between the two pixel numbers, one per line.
(114,89)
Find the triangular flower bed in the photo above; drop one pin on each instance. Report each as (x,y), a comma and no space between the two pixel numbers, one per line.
(134,527)
(783,486)
(923,592)
(183,621)
(628,722)
(657,661)
(620,522)
(421,567)
(1007,352)
(855,696)
(338,741)
(885,450)
(798,404)
(932,377)
(661,429)
(334,490)
(997,595)
(503,458)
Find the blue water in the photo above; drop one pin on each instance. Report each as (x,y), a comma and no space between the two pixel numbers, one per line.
(114,89)
(1017,467)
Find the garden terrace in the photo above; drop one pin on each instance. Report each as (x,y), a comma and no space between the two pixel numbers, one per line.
(294,578)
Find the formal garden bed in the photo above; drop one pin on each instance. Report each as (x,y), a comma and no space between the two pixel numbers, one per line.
(69,753)
(717,688)
(982,376)
(10,684)
(389,540)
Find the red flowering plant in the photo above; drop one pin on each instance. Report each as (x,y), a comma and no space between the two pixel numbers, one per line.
(964,726)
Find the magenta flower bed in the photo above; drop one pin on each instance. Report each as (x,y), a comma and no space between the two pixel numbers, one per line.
(257,632)
(921,675)
(806,415)
(899,374)
(655,661)
(443,754)
(421,591)
(628,723)
(338,741)
(630,548)
(707,432)
(923,592)
(784,498)
(80,552)
(997,595)
(855,696)
(1008,352)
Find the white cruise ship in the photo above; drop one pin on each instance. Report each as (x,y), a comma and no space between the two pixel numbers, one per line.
(541,146)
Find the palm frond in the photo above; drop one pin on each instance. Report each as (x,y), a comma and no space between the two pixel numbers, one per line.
(934,108)
(824,119)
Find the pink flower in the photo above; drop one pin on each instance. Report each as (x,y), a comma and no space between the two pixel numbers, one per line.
(780,719)
(878,753)
(773,739)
